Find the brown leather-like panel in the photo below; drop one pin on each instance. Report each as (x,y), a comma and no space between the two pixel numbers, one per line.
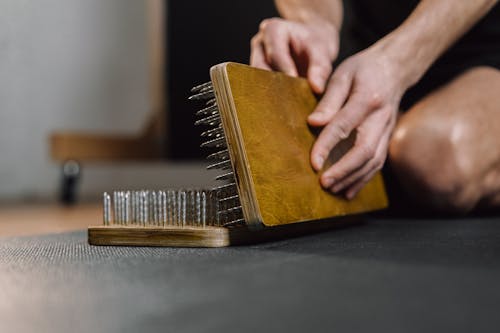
(271,110)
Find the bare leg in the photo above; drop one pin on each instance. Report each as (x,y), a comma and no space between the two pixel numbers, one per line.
(446,148)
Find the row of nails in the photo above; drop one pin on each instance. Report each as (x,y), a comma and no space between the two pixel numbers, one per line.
(220,206)
(230,210)
(183,207)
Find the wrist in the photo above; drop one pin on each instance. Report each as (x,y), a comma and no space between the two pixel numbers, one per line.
(306,11)
(318,20)
(407,58)
(328,29)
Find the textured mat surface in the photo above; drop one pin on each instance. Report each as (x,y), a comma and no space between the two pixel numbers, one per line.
(383,276)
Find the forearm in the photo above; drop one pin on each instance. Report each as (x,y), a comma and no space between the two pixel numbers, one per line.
(431,29)
(310,10)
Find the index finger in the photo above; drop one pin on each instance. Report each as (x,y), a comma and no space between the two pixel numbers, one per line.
(339,128)
(364,150)
(257,54)
(276,42)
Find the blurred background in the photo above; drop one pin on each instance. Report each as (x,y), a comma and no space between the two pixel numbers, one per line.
(111,76)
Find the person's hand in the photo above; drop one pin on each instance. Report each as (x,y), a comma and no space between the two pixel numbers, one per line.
(296,48)
(363,94)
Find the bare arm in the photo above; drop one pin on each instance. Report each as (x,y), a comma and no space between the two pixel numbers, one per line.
(310,10)
(365,90)
(432,28)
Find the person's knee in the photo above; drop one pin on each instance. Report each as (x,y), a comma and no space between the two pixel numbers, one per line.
(482,73)
(426,157)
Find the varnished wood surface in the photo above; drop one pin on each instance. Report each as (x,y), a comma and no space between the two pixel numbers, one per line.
(208,236)
(149,236)
(38,219)
(264,116)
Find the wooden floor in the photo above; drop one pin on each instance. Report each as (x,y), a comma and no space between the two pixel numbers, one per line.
(36,219)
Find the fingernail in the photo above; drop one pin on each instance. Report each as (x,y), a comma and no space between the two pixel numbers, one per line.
(319,161)
(291,72)
(318,83)
(315,116)
(327,182)
(337,188)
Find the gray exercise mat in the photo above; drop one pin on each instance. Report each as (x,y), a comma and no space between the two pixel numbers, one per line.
(383,276)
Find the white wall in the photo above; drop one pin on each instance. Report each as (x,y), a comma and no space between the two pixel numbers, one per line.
(72,64)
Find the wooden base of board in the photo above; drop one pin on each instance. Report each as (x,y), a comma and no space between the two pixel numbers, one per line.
(208,236)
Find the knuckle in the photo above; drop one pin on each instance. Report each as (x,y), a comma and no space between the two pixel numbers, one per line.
(374,100)
(321,150)
(270,23)
(263,24)
(255,39)
(271,54)
(343,130)
(367,151)
(324,67)
(341,76)
(340,173)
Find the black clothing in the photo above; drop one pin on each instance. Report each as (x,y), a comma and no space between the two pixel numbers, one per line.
(371,20)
